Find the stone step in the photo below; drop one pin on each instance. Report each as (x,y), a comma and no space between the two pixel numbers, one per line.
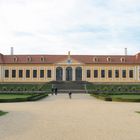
(69,86)
(73,91)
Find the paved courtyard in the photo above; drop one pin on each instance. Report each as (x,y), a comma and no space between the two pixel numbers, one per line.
(59,118)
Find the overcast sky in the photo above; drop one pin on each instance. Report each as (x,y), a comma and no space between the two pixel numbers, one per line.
(79,26)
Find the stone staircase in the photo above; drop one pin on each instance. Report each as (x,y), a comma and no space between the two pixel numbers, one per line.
(74,87)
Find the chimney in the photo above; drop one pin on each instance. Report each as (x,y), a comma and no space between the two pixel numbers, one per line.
(125,51)
(69,55)
(12,50)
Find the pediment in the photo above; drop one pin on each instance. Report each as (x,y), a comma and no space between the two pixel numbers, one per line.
(69,62)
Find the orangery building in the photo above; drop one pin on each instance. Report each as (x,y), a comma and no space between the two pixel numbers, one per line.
(91,68)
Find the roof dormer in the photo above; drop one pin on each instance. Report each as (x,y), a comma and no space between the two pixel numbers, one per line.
(108,59)
(95,59)
(15,59)
(42,59)
(123,59)
(29,59)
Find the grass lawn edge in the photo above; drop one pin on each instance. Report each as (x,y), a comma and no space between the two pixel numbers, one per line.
(109,98)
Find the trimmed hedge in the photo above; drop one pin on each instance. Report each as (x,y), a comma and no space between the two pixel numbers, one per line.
(25,87)
(31,98)
(118,99)
(2,113)
(113,88)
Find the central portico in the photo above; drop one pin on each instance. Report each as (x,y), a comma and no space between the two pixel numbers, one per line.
(69,70)
(70,73)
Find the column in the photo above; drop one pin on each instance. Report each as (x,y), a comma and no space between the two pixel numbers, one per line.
(54,74)
(64,74)
(83,74)
(73,73)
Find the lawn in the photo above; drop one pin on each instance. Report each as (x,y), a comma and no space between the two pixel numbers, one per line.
(126,96)
(119,98)
(13,96)
(7,98)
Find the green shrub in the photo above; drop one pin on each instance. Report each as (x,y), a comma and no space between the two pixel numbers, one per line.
(19,89)
(24,89)
(133,89)
(119,89)
(2,113)
(11,89)
(4,88)
(105,89)
(108,99)
(33,89)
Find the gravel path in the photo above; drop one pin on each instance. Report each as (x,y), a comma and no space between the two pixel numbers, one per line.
(59,118)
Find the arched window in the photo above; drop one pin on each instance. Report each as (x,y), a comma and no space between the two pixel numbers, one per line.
(78,74)
(69,74)
(59,74)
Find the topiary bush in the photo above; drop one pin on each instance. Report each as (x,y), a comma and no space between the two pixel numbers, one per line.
(4,88)
(108,99)
(133,89)
(19,89)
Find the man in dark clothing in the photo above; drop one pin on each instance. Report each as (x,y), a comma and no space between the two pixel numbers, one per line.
(70,93)
(55,91)
(52,91)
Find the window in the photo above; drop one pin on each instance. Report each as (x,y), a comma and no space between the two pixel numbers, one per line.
(49,75)
(34,73)
(27,73)
(124,73)
(20,73)
(95,73)
(117,73)
(88,73)
(41,73)
(109,73)
(13,73)
(131,74)
(6,73)
(102,73)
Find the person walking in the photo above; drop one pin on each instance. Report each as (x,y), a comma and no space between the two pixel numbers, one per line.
(70,93)
(52,90)
(55,91)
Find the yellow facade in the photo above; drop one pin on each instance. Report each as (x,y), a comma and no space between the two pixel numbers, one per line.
(46,68)
(73,66)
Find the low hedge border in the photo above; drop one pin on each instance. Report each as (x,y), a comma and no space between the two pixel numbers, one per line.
(108,98)
(31,98)
(137,112)
(2,113)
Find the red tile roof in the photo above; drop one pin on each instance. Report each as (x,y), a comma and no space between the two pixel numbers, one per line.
(87,59)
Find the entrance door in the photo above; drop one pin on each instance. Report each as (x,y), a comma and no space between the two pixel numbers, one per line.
(68,74)
(59,74)
(78,74)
